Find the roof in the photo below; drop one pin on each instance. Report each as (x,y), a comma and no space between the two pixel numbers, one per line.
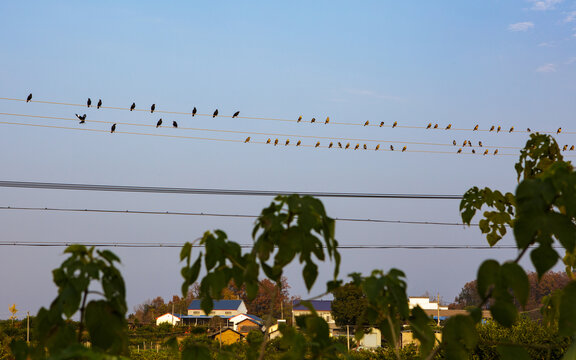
(218,305)
(178,316)
(318,305)
(249,316)
(224,317)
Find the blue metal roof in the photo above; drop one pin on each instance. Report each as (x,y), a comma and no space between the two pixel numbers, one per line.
(218,305)
(319,305)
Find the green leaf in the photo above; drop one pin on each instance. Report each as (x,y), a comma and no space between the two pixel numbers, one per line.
(420,323)
(107,327)
(488,274)
(310,273)
(196,352)
(544,258)
(517,280)
(186,251)
(567,320)
(504,312)
(512,352)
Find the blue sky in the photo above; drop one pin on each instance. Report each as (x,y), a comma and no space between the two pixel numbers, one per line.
(508,63)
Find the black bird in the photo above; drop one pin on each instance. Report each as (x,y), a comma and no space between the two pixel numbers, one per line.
(29,98)
(391,148)
(175,124)
(381,123)
(81,118)
(152,108)
(133,106)
(99,104)
(313,120)
(339,144)
(299,119)
(113,128)
(236,114)
(454,142)
(159,123)
(194,111)
(89,102)
(215,113)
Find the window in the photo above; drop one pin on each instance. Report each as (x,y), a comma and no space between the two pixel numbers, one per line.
(228,312)
(196,312)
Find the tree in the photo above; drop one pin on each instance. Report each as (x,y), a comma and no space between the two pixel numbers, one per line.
(271,297)
(349,305)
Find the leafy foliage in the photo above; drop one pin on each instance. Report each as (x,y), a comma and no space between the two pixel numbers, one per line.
(348,305)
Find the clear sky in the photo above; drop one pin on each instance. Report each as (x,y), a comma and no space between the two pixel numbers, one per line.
(507,63)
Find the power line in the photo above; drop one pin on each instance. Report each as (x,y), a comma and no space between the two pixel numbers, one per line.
(190,191)
(144,212)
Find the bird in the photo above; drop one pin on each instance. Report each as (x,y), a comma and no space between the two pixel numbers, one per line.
(565,147)
(152,108)
(215,114)
(268,141)
(435,126)
(404,149)
(247,139)
(275,142)
(391,148)
(299,119)
(159,123)
(473,151)
(327,120)
(357,146)
(429,126)
(381,123)
(377,147)
(313,120)
(339,144)
(511,129)
(347,145)
(194,111)
(492,128)
(499,128)
(133,106)
(486,152)
(469,143)
(329,146)
(113,128)
(365,147)
(236,114)
(480,143)
(99,104)
(298,143)
(495,151)
(395,123)
(572,148)
(559,130)
(29,98)
(448,127)
(475,128)
(528,129)
(454,142)
(465,142)
(89,102)
(459,151)
(317,144)
(366,123)
(81,118)
(287,142)
(174,124)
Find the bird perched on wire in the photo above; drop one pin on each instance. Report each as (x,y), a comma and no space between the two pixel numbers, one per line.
(565,147)
(454,142)
(559,130)
(313,120)
(495,151)
(159,123)
(327,120)
(330,146)
(381,123)
(365,147)
(275,142)
(81,118)
(448,127)
(317,144)
(287,142)
(486,152)
(113,128)
(99,104)
(469,143)
(572,148)
(475,128)
(429,126)
(174,124)
(152,108)
(404,149)
(511,129)
(459,151)
(339,144)
(88,103)
(247,140)
(499,128)
(357,146)
(133,106)
(268,141)
(299,119)
(528,129)
(492,128)
(377,147)
(391,148)
(465,142)
(480,143)
(435,126)
(194,111)
(366,123)
(395,123)
(29,97)
(236,114)
(473,151)
(347,146)
(215,114)
(298,143)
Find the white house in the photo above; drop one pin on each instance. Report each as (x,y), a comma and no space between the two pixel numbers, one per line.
(168,318)
(424,303)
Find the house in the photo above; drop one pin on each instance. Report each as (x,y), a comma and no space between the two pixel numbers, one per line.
(244,323)
(172,319)
(322,307)
(227,336)
(424,303)
(222,308)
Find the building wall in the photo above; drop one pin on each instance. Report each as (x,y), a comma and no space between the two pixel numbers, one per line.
(245,326)
(326,315)
(228,337)
(167,318)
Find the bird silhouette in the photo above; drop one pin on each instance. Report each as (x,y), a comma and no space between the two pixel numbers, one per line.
(528,129)
(377,147)
(381,123)
(465,142)
(448,127)
(357,146)
(366,123)
(29,98)
(429,126)
(299,119)
(511,129)
(313,120)
(454,142)
(329,146)
(475,128)
(268,141)
(81,118)
(236,114)
(89,102)
(339,144)
(174,124)
(113,128)
(459,151)
(404,149)
(391,148)
(565,147)
(215,114)
(152,108)
(99,104)
(492,128)
(559,130)
(486,152)
(247,139)
(287,142)
(495,151)
(365,147)
(572,148)
(159,123)
(395,123)
(473,151)
(327,120)
(317,144)
(435,126)
(194,111)
(133,106)
(275,142)
(298,143)
(480,143)
(499,128)
(347,145)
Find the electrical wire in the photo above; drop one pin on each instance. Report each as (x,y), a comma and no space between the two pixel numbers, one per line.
(144,212)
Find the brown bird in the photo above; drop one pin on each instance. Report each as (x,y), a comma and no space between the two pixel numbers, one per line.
(366,123)
(29,98)
(133,106)
(459,151)
(159,123)
(429,126)
(365,147)
(499,128)
(287,142)
(528,129)
(404,149)
(194,111)
(347,145)
(559,130)
(565,147)
(339,144)
(495,151)
(391,148)
(236,114)
(469,143)
(81,118)
(395,123)
(572,148)
(381,123)
(465,142)
(317,144)
(448,127)
(99,104)
(357,146)
(435,126)
(298,143)
(215,114)
(329,146)
(486,152)
(492,128)
(480,143)
(268,141)
(152,108)
(113,128)
(511,129)
(454,142)
(473,151)
(475,128)
(174,124)
(275,142)
(247,139)
(313,120)
(327,120)
(89,102)
(299,119)
(377,147)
